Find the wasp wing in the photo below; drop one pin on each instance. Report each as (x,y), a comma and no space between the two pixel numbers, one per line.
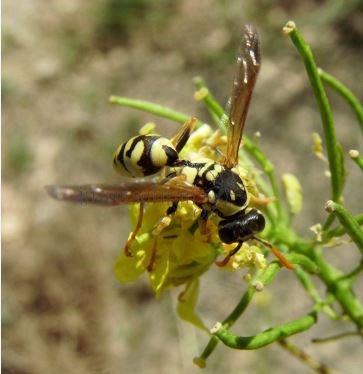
(129,192)
(248,66)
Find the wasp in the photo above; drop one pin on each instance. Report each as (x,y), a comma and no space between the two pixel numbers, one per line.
(217,188)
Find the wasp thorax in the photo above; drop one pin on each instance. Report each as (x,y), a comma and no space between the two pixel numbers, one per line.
(144,155)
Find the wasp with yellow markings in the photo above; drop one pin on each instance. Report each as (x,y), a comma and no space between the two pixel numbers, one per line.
(217,188)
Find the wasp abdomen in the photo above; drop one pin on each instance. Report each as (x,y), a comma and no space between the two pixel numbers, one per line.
(144,155)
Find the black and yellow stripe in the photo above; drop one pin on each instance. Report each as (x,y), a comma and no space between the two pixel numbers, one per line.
(144,155)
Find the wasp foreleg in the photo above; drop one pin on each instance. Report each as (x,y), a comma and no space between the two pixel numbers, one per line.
(224,262)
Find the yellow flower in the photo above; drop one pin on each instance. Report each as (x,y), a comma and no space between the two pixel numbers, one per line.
(248,256)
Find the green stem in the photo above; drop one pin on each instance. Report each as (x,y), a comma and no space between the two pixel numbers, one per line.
(348,222)
(346,94)
(266,337)
(269,170)
(328,222)
(359,162)
(214,108)
(147,106)
(334,280)
(354,155)
(339,231)
(303,261)
(336,337)
(333,148)
(340,288)
(265,278)
(304,357)
(309,286)
(354,274)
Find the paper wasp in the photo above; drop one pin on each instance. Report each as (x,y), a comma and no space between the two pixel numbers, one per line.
(216,188)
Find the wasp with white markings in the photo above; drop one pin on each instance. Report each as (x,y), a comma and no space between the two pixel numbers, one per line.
(217,188)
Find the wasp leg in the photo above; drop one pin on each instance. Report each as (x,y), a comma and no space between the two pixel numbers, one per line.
(154,247)
(133,234)
(284,261)
(203,225)
(163,224)
(224,262)
(203,219)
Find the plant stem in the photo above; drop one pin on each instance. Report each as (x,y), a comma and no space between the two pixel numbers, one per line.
(345,92)
(268,336)
(269,169)
(333,148)
(265,278)
(304,357)
(354,155)
(339,231)
(336,337)
(348,222)
(214,108)
(147,106)
(338,286)
(307,283)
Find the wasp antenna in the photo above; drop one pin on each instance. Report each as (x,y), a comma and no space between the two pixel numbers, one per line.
(284,261)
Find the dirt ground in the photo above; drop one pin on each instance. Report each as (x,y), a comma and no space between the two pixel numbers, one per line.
(62,309)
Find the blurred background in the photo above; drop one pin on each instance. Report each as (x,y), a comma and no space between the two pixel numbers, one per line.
(62,308)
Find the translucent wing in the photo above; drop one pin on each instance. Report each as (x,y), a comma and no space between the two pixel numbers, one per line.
(129,192)
(248,66)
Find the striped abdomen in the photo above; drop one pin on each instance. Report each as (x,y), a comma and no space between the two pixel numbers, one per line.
(144,155)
